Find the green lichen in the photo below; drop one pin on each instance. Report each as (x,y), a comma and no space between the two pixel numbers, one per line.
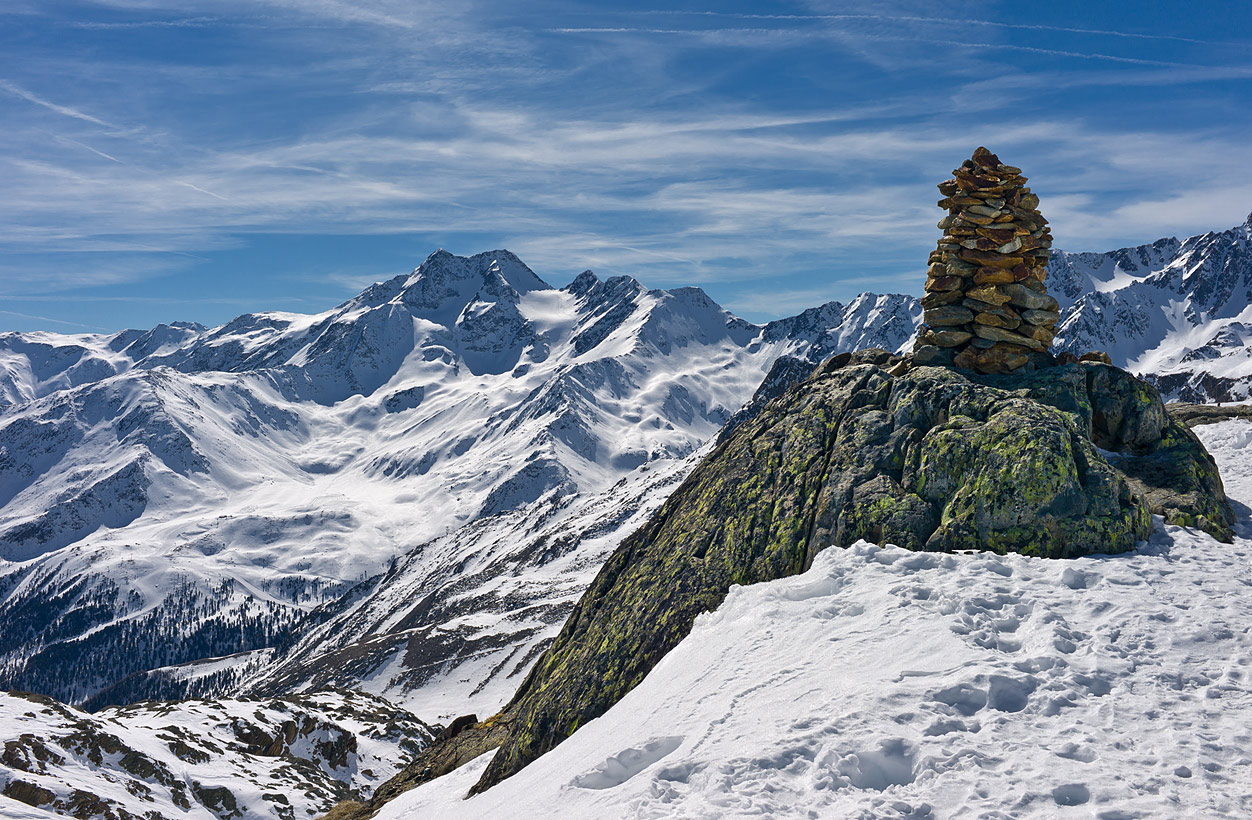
(931,459)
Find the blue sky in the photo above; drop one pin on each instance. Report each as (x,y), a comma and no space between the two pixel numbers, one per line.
(165,160)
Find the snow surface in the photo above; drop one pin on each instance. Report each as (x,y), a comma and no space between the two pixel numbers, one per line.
(884,683)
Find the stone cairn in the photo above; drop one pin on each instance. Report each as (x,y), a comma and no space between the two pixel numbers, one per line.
(986,307)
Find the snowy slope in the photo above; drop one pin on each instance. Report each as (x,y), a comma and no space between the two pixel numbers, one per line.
(279,759)
(889,684)
(1179,313)
(188,493)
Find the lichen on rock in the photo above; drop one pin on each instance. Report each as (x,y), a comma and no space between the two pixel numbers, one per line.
(1060,462)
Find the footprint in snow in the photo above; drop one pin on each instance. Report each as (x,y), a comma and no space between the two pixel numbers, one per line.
(624,765)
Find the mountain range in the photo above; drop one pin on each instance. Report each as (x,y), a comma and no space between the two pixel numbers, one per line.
(408,493)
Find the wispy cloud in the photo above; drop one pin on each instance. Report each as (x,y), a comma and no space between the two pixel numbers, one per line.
(64,110)
(715,148)
(945,21)
(50,320)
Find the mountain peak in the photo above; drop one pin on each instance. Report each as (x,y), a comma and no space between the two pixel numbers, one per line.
(582,283)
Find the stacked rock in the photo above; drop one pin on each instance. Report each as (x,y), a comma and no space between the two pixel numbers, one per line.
(986,307)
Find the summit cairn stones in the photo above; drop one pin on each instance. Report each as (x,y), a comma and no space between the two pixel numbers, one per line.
(986,307)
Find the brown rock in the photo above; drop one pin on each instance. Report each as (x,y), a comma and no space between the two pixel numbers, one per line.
(994,320)
(1046,318)
(941,297)
(982,210)
(985,307)
(996,260)
(948,187)
(1038,332)
(1065,357)
(993,294)
(997,334)
(999,358)
(937,269)
(1030,201)
(945,337)
(1096,356)
(969,181)
(980,243)
(986,159)
(943,283)
(996,234)
(947,315)
(993,276)
(977,219)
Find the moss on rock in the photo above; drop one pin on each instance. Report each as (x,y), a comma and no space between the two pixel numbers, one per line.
(1060,462)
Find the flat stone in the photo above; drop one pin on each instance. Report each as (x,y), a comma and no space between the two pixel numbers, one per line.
(997,334)
(1032,218)
(1038,332)
(948,187)
(937,269)
(993,276)
(946,222)
(943,283)
(976,219)
(1041,317)
(1020,296)
(1009,169)
(941,297)
(1096,356)
(997,234)
(992,294)
(946,337)
(947,315)
(993,320)
(979,243)
(1011,246)
(1030,201)
(996,260)
(975,181)
(983,210)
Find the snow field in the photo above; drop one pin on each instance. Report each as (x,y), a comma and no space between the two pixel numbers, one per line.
(889,684)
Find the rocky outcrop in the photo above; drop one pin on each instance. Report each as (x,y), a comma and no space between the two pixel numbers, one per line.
(1066,461)
(1194,415)
(986,308)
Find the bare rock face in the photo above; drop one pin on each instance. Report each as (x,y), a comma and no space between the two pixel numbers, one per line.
(986,307)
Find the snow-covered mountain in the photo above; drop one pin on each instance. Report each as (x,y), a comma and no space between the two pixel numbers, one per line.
(255,760)
(1177,313)
(188,493)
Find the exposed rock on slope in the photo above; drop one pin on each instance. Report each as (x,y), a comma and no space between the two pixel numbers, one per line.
(1062,462)
(1178,313)
(276,759)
